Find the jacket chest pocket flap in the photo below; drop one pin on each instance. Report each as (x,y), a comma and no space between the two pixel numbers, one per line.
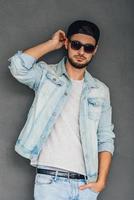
(94,107)
(54,79)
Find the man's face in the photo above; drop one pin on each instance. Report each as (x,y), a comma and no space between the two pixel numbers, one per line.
(79,58)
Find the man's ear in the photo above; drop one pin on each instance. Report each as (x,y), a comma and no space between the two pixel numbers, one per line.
(66,43)
(95,49)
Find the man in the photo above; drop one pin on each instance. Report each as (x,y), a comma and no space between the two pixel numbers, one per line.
(68,135)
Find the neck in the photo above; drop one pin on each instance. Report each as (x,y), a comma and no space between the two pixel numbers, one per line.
(74,73)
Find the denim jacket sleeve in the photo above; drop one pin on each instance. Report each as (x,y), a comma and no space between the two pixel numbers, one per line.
(24,68)
(105,129)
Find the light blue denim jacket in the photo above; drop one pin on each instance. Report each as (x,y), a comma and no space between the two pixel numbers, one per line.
(52,87)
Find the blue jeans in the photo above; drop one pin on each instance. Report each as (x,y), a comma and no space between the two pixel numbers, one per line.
(48,187)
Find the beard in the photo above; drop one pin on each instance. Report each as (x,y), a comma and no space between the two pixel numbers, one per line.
(78,65)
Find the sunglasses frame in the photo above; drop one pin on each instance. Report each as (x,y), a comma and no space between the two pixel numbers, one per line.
(82,45)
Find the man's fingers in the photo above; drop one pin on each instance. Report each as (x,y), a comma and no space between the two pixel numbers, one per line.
(82,187)
(62,36)
(62,32)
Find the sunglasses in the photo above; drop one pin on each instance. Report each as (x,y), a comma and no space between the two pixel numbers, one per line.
(76,45)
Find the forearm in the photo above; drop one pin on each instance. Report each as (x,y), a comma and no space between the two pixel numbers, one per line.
(105,159)
(57,41)
(41,49)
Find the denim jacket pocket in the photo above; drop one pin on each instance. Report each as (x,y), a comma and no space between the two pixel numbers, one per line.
(54,79)
(94,107)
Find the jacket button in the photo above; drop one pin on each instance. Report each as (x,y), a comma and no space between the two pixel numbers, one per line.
(65,93)
(42,136)
(54,79)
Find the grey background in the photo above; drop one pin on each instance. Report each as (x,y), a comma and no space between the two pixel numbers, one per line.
(26,23)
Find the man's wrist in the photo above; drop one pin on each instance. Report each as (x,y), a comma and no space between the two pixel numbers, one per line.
(51,44)
(101,182)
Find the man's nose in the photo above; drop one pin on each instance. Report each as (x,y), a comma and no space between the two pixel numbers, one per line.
(81,50)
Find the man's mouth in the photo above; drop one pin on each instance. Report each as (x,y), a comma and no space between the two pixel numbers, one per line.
(79,59)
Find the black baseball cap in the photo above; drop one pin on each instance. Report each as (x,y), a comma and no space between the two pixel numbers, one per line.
(84,27)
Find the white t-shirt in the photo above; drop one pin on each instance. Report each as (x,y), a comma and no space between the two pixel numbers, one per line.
(63,148)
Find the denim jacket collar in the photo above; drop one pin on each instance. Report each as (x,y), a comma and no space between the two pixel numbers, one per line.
(88,79)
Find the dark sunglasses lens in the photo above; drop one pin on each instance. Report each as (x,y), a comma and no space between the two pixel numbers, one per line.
(89,48)
(75,45)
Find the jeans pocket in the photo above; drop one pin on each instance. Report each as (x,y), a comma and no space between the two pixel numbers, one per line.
(93,191)
(42,179)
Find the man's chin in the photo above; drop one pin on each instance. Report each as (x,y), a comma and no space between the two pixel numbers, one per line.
(77,65)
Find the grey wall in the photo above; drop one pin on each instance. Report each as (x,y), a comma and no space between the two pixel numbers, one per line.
(26,23)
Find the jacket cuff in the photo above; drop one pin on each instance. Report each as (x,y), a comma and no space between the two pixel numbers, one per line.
(28,60)
(106,147)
